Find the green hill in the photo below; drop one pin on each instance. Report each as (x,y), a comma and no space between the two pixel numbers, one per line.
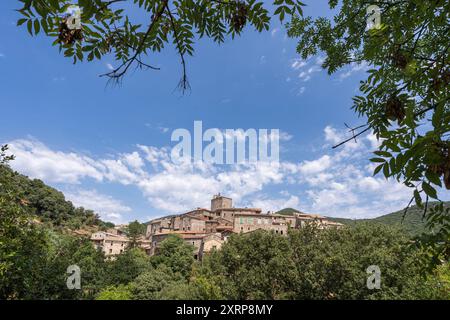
(48,205)
(413,221)
(287,211)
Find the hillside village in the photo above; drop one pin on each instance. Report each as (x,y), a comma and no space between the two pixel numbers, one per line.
(207,229)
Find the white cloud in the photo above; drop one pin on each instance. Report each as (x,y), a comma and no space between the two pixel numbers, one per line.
(340,183)
(274,31)
(262,60)
(298,64)
(315,166)
(107,207)
(109,66)
(157,127)
(35,159)
(354,68)
(134,160)
(272,204)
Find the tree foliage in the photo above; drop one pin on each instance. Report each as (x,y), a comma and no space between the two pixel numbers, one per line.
(127,266)
(120,292)
(321,264)
(46,203)
(134,231)
(148,286)
(176,254)
(405,98)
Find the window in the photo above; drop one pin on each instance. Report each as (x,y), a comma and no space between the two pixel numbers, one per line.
(241,220)
(259,221)
(110,250)
(281,231)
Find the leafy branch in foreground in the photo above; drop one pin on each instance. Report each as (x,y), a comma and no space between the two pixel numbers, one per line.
(405,98)
(111,27)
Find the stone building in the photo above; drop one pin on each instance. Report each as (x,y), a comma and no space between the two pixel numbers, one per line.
(110,243)
(113,243)
(208,229)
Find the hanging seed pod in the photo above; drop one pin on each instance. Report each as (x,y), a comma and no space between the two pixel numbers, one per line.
(394,109)
(67,35)
(399,59)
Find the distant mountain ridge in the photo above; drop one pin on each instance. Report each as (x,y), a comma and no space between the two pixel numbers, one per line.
(413,222)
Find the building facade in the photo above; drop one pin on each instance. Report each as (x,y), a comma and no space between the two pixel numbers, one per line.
(113,243)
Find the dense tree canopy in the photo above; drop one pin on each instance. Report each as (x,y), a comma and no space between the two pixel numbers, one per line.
(176,254)
(321,264)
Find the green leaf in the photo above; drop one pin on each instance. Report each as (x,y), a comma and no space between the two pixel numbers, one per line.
(429,190)
(30,27)
(417,198)
(386,170)
(21,21)
(37,26)
(377,169)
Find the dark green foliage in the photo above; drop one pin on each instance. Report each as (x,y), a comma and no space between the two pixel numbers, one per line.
(176,254)
(134,231)
(320,264)
(120,292)
(40,265)
(48,204)
(405,97)
(148,286)
(287,211)
(127,266)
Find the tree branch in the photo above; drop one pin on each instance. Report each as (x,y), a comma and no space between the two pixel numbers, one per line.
(123,68)
(183,85)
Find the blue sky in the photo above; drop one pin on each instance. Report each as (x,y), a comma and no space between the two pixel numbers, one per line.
(106,147)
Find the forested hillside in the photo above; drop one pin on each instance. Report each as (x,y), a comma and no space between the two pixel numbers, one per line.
(412,222)
(49,205)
